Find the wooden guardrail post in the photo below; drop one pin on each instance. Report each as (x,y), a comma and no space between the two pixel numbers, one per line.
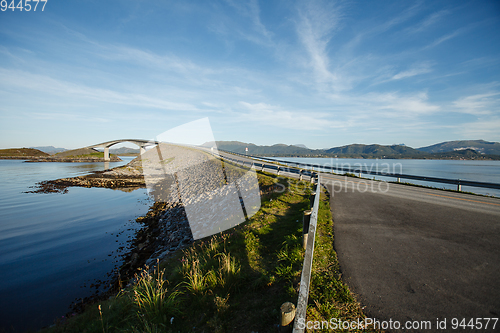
(300,175)
(287,316)
(278,171)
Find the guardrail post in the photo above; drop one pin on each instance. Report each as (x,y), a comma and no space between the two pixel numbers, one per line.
(399,180)
(311,199)
(300,174)
(287,316)
(305,227)
(278,171)
(262,167)
(312,178)
(459,186)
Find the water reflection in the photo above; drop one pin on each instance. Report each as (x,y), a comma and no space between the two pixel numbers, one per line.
(53,246)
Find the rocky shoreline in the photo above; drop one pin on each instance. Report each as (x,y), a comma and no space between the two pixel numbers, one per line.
(163,230)
(184,179)
(125,178)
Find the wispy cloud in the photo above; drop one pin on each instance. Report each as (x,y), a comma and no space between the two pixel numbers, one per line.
(279,117)
(251,10)
(53,87)
(414,70)
(72,117)
(428,22)
(315,28)
(397,106)
(482,128)
(479,104)
(444,38)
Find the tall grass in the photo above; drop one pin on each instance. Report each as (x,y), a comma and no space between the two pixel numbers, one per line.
(212,269)
(151,297)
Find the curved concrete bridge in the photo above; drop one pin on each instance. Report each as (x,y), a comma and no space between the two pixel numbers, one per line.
(139,142)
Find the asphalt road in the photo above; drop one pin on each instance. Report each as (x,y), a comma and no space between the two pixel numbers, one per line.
(415,254)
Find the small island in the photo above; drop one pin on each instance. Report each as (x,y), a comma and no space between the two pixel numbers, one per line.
(75,155)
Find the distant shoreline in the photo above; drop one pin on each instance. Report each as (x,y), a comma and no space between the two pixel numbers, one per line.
(482,158)
(53,159)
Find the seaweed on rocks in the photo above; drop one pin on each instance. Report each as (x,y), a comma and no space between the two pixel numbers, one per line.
(106,179)
(165,229)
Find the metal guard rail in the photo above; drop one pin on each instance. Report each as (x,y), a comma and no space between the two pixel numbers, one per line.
(318,168)
(305,278)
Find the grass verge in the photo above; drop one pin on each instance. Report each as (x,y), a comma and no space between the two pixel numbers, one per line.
(330,301)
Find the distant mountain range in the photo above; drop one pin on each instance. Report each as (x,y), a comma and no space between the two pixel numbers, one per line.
(471,149)
(124,150)
(481,146)
(464,149)
(50,149)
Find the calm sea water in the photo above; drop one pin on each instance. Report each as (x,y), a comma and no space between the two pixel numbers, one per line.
(482,171)
(54,246)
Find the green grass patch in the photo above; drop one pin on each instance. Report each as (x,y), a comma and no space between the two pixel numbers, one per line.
(329,296)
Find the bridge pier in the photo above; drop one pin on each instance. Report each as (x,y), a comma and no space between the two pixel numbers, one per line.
(106,154)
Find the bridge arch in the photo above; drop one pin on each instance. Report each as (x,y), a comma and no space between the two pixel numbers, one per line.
(139,142)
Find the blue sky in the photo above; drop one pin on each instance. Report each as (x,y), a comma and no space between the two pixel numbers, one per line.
(320,73)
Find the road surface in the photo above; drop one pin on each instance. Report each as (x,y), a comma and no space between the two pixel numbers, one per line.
(416,254)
